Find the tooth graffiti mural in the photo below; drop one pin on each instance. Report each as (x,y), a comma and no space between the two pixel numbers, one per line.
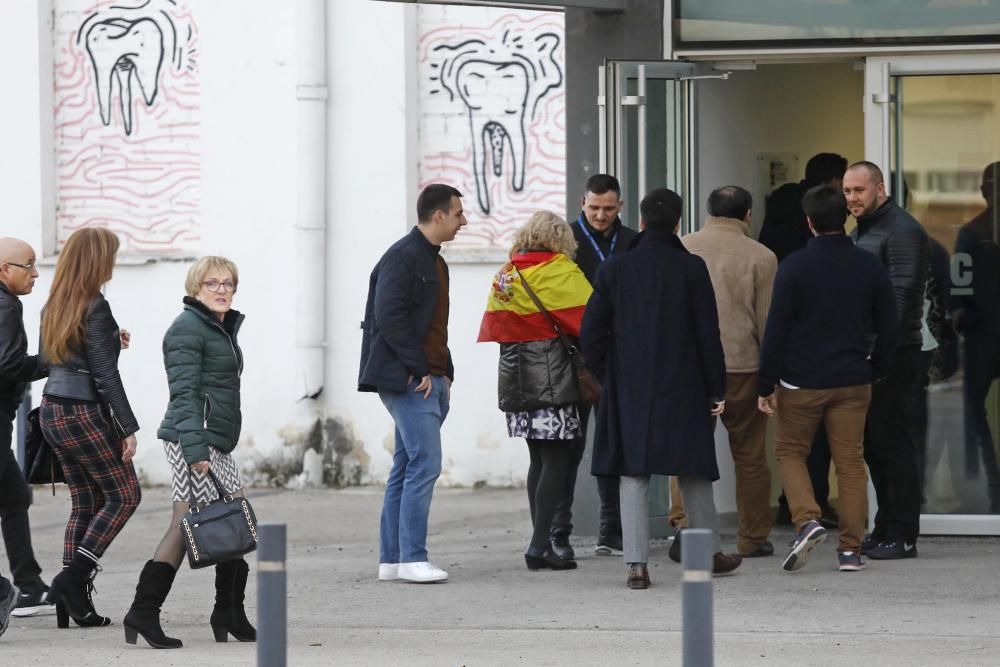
(127,100)
(127,47)
(501,83)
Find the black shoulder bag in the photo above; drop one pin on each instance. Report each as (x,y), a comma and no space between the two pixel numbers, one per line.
(40,463)
(222,530)
(590,388)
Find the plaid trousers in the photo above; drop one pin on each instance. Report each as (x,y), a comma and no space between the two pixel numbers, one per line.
(105,491)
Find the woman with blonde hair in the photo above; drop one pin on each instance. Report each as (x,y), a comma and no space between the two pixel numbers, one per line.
(537,383)
(86,417)
(201,427)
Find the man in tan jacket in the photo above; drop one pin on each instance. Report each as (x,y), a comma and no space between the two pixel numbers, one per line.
(742,272)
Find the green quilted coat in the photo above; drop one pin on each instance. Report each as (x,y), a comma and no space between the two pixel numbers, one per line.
(204,363)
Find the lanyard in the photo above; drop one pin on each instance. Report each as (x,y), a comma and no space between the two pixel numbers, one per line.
(590,237)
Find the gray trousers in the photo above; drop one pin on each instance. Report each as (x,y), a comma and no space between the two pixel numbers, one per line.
(699,504)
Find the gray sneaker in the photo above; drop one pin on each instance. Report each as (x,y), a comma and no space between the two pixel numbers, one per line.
(808,537)
(8,598)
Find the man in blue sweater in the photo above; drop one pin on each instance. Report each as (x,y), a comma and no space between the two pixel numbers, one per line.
(817,364)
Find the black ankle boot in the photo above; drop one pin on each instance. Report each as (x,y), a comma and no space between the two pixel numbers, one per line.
(541,559)
(229,617)
(72,590)
(143,618)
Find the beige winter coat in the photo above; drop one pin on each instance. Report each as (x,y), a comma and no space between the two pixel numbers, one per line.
(742,272)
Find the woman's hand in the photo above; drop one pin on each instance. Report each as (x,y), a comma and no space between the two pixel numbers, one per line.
(128,448)
(201,467)
(125,337)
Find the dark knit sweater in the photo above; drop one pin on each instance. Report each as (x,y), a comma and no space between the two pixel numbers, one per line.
(829,298)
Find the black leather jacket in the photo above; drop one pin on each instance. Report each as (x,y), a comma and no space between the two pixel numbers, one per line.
(91,372)
(17,367)
(536,374)
(902,245)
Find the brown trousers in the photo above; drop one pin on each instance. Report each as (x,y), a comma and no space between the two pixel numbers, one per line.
(747,428)
(843,410)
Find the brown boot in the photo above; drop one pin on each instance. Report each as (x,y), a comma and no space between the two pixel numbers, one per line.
(638,576)
(725,563)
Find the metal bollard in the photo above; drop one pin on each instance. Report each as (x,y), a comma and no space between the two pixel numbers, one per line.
(696,598)
(272,588)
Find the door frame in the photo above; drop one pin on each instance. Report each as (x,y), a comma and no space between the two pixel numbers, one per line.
(879,64)
(879,71)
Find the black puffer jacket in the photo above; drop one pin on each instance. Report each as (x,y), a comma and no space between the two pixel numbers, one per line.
(902,245)
(537,374)
(91,371)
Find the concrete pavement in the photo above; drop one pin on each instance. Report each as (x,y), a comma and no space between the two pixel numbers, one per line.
(939,609)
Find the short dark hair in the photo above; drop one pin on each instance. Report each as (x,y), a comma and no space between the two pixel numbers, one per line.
(435,197)
(601,183)
(661,209)
(730,201)
(873,170)
(826,208)
(825,167)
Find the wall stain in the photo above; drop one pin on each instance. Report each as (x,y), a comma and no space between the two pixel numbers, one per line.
(345,460)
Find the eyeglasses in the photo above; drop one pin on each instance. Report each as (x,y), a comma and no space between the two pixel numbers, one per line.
(26,267)
(215,285)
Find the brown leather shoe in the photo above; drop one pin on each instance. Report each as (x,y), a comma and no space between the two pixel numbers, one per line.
(638,577)
(725,563)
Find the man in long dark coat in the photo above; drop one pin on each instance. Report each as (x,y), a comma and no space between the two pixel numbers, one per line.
(651,333)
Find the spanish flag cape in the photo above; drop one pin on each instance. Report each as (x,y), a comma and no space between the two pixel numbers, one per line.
(512,317)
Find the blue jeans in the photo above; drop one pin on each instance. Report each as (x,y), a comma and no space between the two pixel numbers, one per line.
(416,464)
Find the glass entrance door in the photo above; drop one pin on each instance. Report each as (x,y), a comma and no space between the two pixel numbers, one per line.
(933,124)
(646,128)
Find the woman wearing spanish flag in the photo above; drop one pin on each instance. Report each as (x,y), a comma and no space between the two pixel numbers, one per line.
(537,294)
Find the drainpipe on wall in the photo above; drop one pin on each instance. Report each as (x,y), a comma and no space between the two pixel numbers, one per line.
(310,223)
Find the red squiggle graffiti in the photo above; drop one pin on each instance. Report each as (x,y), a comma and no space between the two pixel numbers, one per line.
(144,186)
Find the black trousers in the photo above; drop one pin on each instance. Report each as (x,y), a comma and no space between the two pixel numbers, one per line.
(982,367)
(550,463)
(610,522)
(890,449)
(920,421)
(15,498)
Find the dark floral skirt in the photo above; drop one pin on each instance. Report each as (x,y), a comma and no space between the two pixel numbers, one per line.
(556,423)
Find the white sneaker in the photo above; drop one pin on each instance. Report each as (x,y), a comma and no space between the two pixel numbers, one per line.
(388,571)
(421,573)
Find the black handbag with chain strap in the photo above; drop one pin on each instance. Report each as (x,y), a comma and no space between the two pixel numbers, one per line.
(222,530)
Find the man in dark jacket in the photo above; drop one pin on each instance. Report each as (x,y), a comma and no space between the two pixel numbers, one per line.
(827,299)
(901,244)
(785,231)
(977,318)
(599,234)
(651,334)
(405,358)
(17,369)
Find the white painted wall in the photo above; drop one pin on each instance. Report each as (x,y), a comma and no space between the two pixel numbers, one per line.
(248,115)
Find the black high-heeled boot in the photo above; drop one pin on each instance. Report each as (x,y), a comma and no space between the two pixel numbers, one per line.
(540,559)
(72,592)
(229,617)
(143,618)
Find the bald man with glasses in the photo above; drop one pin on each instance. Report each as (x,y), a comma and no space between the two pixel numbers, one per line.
(17,369)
